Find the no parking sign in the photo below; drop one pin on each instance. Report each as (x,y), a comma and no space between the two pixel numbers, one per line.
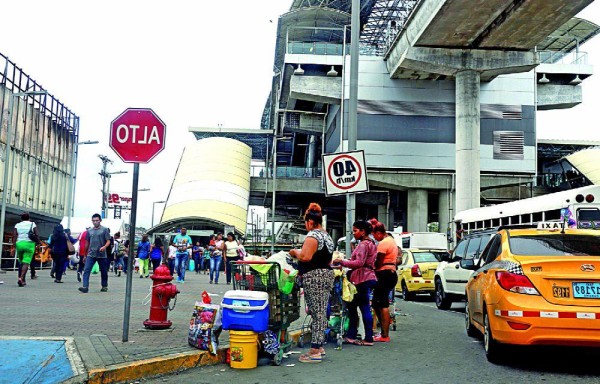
(345,173)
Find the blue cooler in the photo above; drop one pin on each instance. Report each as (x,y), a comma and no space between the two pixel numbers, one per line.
(245,311)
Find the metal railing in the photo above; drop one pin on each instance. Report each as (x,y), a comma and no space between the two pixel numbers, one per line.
(10,263)
(560,181)
(557,57)
(286,172)
(319,48)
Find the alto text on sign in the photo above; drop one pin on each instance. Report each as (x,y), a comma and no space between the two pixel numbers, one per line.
(137,135)
(345,173)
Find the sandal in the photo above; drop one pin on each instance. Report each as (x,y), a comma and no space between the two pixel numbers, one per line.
(308,358)
(20,283)
(381,339)
(348,340)
(364,343)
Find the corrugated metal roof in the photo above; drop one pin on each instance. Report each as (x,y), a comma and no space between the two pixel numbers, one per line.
(569,36)
(587,161)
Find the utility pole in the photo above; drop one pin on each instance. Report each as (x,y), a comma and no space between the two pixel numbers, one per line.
(104,176)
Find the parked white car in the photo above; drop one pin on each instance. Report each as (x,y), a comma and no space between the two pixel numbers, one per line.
(450,279)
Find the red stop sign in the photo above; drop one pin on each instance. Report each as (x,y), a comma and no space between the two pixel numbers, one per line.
(137,135)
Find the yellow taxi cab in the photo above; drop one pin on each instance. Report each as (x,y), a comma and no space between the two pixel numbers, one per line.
(415,272)
(535,286)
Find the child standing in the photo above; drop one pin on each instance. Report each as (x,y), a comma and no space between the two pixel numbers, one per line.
(143,254)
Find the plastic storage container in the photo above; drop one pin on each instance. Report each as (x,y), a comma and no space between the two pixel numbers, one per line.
(246,311)
(243,349)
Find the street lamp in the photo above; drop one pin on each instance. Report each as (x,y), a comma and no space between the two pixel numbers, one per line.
(71,211)
(156,202)
(105,194)
(11,102)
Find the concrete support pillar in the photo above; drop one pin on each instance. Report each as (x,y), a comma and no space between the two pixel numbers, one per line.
(444,213)
(334,233)
(383,216)
(417,210)
(311,156)
(467,140)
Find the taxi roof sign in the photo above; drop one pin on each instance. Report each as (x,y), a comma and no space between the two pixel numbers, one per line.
(551,225)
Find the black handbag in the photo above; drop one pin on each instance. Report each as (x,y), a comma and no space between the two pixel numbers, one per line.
(32,236)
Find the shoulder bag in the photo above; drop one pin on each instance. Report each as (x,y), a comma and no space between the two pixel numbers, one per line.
(32,236)
(70,247)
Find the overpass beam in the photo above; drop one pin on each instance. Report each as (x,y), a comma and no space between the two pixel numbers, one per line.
(467,140)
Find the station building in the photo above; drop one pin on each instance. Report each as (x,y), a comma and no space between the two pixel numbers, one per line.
(42,151)
(407,120)
(411,84)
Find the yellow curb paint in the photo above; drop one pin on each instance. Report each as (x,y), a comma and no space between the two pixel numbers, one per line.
(155,366)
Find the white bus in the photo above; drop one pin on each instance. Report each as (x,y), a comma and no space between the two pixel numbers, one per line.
(578,208)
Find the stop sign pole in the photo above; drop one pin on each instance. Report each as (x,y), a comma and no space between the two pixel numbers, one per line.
(137,135)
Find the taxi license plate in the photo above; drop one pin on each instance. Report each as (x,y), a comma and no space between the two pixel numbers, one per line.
(586,290)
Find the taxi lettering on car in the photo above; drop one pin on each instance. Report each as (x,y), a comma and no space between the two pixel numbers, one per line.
(535,286)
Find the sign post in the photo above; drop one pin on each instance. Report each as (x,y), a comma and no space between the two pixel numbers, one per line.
(137,135)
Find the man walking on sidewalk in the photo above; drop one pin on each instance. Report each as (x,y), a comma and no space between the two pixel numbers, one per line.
(183,242)
(98,240)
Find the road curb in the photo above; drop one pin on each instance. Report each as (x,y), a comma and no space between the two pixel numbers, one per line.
(156,366)
(135,370)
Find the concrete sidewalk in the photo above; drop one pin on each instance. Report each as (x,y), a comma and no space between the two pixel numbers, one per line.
(94,322)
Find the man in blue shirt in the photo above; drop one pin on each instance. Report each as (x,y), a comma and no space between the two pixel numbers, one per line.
(182,242)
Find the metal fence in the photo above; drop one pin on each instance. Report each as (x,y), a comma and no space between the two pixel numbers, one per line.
(286,172)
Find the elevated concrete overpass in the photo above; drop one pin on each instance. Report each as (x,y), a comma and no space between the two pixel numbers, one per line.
(474,41)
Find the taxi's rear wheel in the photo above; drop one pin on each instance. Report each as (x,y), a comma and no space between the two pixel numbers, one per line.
(442,299)
(406,295)
(469,327)
(491,346)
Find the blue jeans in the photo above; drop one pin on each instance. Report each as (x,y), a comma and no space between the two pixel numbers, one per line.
(89,264)
(361,300)
(197,263)
(215,264)
(182,259)
(228,267)
(171,265)
(119,262)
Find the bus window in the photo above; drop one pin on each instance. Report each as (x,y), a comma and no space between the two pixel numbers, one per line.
(537,217)
(552,215)
(526,219)
(495,223)
(504,221)
(515,220)
(405,242)
(588,218)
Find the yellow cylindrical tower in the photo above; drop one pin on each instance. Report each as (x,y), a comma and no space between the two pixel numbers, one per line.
(212,183)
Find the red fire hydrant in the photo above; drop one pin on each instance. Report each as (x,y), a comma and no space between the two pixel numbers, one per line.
(162,292)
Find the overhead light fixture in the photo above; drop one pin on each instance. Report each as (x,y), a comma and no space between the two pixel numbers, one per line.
(544,79)
(332,72)
(299,70)
(575,81)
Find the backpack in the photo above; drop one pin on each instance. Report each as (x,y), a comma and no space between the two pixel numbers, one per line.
(120,248)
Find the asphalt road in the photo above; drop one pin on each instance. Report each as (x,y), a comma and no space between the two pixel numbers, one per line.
(429,346)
